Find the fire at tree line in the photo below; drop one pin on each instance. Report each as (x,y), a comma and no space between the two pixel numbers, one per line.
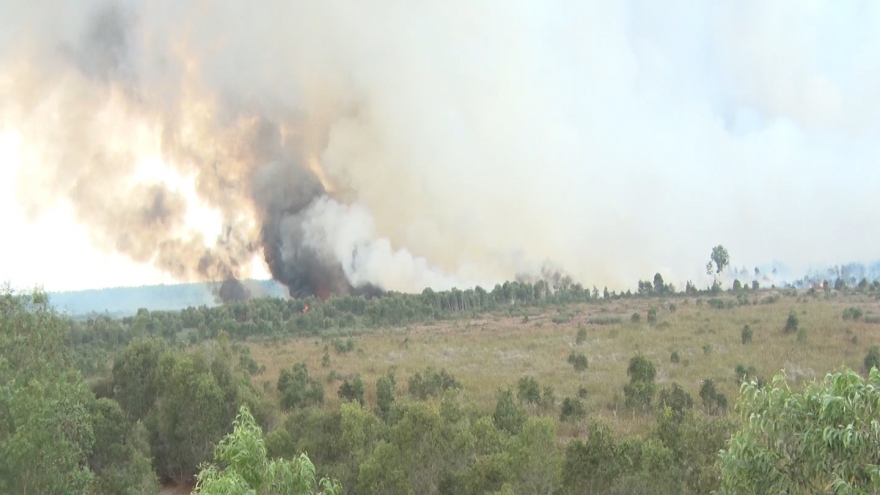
(105,405)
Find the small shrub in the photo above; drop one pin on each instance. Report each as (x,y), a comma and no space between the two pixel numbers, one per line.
(548,400)
(325,361)
(582,392)
(802,336)
(572,408)
(716,303)
(578,361)
(746,334)
(508,416)
(707,349)
(714,401)
(561,318)
(352,391)
(432,383)
(872,359)
(528,390)
(674,357)
(581,335)
(606,320)
(672,307)
(635,318)
(652,315)
(791,324)
(343,347)
(677,400)
(852,313)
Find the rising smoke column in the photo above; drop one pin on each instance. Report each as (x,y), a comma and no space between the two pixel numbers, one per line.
(447,143)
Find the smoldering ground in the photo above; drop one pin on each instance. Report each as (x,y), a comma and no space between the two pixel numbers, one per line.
(447,143)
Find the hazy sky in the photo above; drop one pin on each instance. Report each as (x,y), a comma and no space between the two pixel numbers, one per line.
(612,139)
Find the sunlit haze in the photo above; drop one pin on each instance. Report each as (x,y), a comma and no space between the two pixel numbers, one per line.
(343,147)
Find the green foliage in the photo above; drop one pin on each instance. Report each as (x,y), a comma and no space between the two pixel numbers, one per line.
(50,422)
(248,469)
(508,415)
(431,383)
(714,401)
(746,334)
(820,440)
(640,390)
(385,396)
(852,313)
(674,358)
(677,400)
(791,324)
(719,258)
(578,361)
(582,392)
(343,347)
(652,315)
(296,389)
(325,360)
(581,335)
(528,390)
(635,318)
(352,391)
(120,456)
(872,358)
(572,408)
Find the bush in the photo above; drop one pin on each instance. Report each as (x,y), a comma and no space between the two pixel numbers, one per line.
(343,347)
(674,357)
(385,396)
(582,392)
(677,400)
(746,334)
(572,408)
(528,390)
(791,324)
(802,336)
(713,400)
(352,391)
(852,313)
(716,303)
(652,315)
(578,361)
(508,416)
(872,359)
(672,307)
(606,320)
(297,389)
(635,318)
(640,390)
(581,335)
(432,383)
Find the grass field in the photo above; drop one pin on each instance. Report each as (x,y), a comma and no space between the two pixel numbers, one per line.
(494,351)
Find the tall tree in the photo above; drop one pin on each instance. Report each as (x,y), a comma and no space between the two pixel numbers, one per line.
(718,260)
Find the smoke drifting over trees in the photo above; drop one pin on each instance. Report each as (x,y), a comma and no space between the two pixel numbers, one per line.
(374,145)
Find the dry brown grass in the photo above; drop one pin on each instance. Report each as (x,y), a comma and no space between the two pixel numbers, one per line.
(494,351)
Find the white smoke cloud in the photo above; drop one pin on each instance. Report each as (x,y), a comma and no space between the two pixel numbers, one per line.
(471,141)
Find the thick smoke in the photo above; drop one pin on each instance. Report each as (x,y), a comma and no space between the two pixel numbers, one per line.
(383,145)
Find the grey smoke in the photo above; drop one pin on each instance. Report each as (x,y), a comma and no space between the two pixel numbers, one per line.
(458,142)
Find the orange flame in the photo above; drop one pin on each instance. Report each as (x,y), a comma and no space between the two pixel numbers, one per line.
(305,308)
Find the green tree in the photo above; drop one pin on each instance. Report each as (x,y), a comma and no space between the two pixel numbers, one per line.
(718,260)
(247,468)
(508,416)
(639,392)
(528,390)
(821,440)
(385,396)
(352,390)
(791,324)
(659,286)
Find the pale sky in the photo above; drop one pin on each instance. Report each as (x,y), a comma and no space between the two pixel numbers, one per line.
(612,139)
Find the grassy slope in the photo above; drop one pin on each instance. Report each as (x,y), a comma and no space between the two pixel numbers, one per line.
(492,352)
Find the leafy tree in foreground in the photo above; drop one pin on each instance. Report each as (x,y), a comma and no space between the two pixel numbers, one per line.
(248,469)
(821,440)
